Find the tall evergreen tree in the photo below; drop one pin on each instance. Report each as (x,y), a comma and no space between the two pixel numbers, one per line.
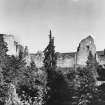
(86,92)
(50,56)
(92,65)
(50,67)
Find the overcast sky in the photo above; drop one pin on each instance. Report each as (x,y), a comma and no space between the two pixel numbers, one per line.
(69,20)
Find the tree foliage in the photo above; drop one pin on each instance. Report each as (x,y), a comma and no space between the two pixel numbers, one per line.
(86,92)
(3,65)
(50,68)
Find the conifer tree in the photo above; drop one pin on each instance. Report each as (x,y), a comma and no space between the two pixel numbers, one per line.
(92,65)
(50,56)
(87,93)
(50,66)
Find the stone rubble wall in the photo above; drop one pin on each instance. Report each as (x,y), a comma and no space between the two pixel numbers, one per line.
(63,61)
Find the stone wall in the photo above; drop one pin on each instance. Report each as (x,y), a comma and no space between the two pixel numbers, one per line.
(64,60)
(67,60)
(10,40)
(85,46)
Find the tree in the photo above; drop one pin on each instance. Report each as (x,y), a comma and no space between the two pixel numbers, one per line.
(50,67)
(3,66)
(92,65)
(86,92)
(50,56)
(15,69)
